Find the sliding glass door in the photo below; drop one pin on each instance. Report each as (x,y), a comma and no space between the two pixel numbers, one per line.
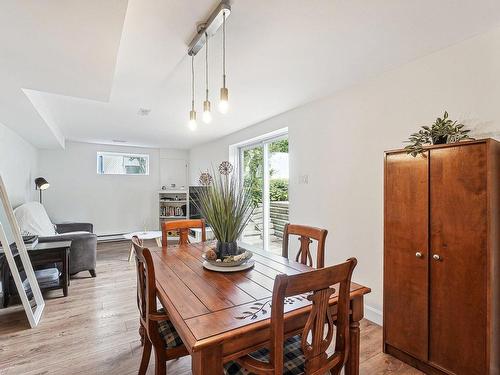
(263,167)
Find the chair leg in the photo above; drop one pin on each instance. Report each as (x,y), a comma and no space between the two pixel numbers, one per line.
(160,362)
(131,253)
(146,354)
(92,273)
(142,333)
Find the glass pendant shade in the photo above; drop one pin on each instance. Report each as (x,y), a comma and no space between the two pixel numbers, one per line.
(192,120)
(224,100)
(207,114)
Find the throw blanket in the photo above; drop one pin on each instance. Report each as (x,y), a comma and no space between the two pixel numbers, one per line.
(33,220)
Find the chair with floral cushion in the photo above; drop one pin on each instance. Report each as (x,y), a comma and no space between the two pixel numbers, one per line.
(156,329)
(296,354)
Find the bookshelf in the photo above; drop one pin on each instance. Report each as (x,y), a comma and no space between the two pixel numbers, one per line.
(173,205)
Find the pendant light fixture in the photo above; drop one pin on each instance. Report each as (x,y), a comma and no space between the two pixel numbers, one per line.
(205,31)
(192,114)
(224,93)
(207,114)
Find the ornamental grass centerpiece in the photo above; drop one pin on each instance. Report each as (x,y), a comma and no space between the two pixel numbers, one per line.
(226,205)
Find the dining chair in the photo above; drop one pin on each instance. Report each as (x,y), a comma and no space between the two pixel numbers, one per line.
(305,353)
(183,227)
(156,329)
(306,234)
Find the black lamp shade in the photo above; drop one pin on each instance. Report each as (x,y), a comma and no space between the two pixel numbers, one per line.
(41,183)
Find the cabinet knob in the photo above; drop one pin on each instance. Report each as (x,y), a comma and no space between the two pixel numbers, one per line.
(436,257)
(418,254)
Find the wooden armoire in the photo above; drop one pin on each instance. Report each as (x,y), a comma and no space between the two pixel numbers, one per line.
(442,258)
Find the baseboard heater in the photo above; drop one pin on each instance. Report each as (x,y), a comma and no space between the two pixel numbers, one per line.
(110,237)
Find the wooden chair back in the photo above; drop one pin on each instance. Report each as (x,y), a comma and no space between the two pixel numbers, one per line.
(320,284)
(146,291)
(183,227)
(306,235)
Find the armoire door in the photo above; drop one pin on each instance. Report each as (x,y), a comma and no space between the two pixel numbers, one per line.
(458,229)
(406,253)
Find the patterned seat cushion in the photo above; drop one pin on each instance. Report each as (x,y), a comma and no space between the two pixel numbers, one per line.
(168,333)
(293,359)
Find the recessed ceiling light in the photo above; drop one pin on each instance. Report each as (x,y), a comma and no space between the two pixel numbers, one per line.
(144,111)
(119,141)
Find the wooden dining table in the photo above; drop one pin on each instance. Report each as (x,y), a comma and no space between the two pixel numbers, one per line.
(220,316)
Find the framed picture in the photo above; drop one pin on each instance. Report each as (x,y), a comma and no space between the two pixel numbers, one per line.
(19,261)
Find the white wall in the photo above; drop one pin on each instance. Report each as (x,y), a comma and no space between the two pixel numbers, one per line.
(18,166)
(339,142)
(174,167)
(113,203)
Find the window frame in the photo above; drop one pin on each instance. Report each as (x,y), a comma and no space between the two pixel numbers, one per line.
(100,171)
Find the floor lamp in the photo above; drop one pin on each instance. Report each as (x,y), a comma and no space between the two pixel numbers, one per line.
(41,184)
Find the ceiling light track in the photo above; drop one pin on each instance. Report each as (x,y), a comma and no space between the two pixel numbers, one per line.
(210,27)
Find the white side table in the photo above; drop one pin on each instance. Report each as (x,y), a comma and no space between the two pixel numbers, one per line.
(196,234)
(148,235)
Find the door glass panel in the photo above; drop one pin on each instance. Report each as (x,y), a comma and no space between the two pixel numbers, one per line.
(277,173)
(252,172)
(264,169)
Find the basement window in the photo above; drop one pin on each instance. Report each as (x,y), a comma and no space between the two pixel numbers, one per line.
(122,163)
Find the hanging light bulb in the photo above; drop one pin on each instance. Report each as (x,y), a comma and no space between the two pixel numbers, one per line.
(223,103)
(192,120)
(207,114)
(224,93)
(192,114)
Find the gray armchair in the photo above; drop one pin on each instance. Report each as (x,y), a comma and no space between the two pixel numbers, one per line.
(33,219)
(83,245)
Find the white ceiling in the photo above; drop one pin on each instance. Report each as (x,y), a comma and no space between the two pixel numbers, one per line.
(65,47)
(80,70)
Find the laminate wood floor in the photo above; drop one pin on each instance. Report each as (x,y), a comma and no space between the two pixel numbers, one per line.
(95,329)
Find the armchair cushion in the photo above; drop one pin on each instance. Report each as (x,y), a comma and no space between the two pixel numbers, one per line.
(74,227)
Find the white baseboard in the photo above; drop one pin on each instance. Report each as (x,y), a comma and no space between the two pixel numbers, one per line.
(374,315)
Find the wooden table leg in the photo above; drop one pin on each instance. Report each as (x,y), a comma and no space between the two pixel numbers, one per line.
(352,365)
(158,241)
(207,361)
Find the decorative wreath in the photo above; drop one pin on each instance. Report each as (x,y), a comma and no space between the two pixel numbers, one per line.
(225,168)
(205,179)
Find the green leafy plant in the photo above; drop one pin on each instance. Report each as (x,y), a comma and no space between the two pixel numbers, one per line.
(226,205)
(278,190)
(443,130)
(254,175)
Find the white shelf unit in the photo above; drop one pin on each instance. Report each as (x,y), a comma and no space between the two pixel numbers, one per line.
(173,205)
